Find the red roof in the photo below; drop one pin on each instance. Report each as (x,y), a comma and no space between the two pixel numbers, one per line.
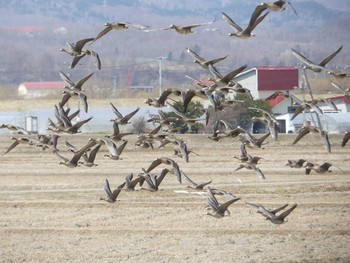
(277,78)
(43,85)
(344,98)
(273,101)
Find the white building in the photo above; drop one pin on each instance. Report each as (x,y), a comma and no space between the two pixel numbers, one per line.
(29,90)
(264,81)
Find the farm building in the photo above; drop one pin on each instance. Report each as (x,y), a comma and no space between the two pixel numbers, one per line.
(341,102)
(264,81)
(29,90)
(336,120)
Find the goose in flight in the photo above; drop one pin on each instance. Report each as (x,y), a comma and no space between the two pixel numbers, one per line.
(346,92)
(268,119)
(182,29)
(255,19)
(219,210)
(153,181)
(251,166)
(65,121)
(277,6)
(111,196)
(160,102)
(320,169)
(193,184)
(114,151)
(118,26)
(19,140)
(74,90)
(337,75)
(117,135)
(226,80)
(304,131)
(73,162)
(201,61)
(14,128)
(90,158)
(78,51)
(250,140)
(120,119)
(346,138)
(271,214)
(313,66)
(244,157)
(166,161)
(130,182)
(295,163)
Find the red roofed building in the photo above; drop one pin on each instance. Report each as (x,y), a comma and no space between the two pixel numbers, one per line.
(30,90)
(264,81)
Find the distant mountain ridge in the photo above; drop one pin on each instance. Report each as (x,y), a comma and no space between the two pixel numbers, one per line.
(102,10)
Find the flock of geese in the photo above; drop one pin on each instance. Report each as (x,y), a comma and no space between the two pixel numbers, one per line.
(164,133)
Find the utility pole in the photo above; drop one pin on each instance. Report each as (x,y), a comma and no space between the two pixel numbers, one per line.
(160,74)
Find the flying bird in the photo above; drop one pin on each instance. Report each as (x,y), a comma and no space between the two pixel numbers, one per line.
(219,210)
(114,151)
(346,92)
(182,29)
(78,51)
(277,6)
(314,66)
(111,196)
(193,184)
(153,181)
(74,90)
(255,19)
(268,119)
(14,128)
(271,214)
(120,119)
(166,161)
(346,138)
(74,161)
(201,61)
(295,163)
(160,102)
(320,169)
(118,26)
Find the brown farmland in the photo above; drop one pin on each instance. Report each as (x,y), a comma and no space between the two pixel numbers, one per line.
(51,213)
